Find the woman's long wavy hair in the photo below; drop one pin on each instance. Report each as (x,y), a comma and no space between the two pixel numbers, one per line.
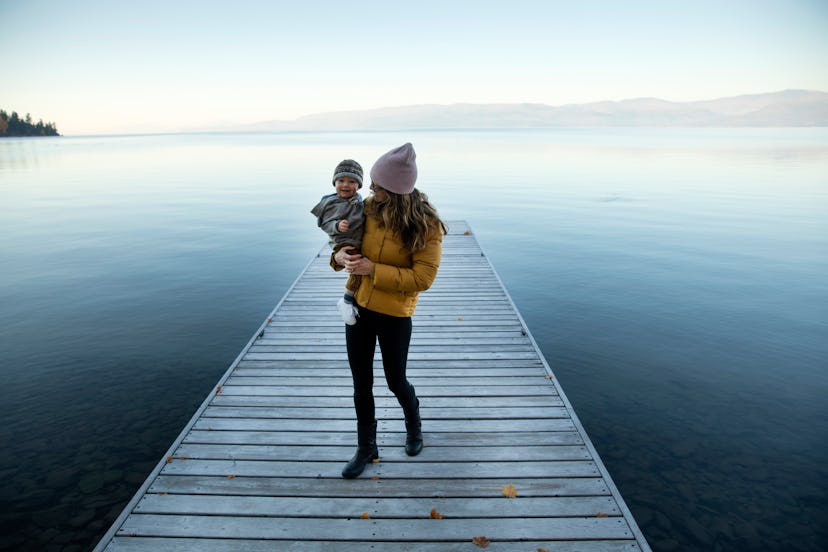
(411,216)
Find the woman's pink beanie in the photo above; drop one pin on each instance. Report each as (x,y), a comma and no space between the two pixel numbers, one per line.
(396,171)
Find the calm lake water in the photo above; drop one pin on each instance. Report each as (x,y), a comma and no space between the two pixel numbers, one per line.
(676,280)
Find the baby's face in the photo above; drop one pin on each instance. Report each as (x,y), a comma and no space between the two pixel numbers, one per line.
(346,187)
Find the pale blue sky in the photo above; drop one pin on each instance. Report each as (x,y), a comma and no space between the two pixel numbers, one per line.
(96,66)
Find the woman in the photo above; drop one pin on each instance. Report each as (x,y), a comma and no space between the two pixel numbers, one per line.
(401,248)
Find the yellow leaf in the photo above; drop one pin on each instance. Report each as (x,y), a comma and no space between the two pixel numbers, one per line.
(466,233)
(542,550)
(459,318)
(231,477)
(365,515)
(482,542)
(375,478)
(602,514)
(171,458)
(509,491)
(435,514)
(376,460)
(548,376)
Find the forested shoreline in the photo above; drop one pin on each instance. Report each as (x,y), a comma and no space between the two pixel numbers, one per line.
(14,125)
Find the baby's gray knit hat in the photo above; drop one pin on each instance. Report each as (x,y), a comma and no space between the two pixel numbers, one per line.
(348,168)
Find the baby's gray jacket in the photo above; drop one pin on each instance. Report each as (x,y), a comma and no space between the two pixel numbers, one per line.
(331,209)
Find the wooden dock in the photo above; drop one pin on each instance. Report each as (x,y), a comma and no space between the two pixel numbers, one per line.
(258,466)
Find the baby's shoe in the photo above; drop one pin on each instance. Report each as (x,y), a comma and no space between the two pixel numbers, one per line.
(348,311)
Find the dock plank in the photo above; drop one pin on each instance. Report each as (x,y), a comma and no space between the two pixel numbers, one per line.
(197,485)
(389,530)
(343,452)
(448,413)
(153,544)
(471,440)
(389,403)
(378,508)
(258,465)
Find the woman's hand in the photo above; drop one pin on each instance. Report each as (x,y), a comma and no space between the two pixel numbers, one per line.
(353,262)
(346,254)
(362,266)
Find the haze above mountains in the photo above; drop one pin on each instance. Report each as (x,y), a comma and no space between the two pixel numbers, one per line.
(798,108)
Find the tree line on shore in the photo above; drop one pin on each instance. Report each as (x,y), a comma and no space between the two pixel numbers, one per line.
(14,125)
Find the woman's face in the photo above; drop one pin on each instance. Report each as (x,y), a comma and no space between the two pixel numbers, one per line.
(380,195)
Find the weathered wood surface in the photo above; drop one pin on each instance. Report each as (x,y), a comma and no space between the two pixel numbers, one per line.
(258,466)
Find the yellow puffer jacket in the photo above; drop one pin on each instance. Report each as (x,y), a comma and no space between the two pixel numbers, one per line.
(399,275)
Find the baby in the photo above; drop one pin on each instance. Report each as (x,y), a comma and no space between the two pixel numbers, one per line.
(340,216)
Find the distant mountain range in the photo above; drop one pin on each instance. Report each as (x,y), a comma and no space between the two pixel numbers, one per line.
(798,108)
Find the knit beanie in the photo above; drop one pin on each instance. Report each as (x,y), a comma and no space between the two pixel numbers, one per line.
(348,168)
(396,170)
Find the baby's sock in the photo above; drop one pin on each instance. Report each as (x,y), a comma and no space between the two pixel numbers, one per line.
(348,309)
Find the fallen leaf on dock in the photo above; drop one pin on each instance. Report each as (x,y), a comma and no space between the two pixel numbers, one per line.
(376,460)
(509,491)
(231,477)
(365,515)
(547,376)
(218,390)
(466,233)
(602,514)
(459,318)
(542,550)
(435,514)
(375,478)
(171,458)
(482,542)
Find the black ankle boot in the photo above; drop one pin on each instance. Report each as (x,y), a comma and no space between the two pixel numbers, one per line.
(366,450)
(413,430)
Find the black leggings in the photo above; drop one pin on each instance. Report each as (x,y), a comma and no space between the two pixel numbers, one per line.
(394,334)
